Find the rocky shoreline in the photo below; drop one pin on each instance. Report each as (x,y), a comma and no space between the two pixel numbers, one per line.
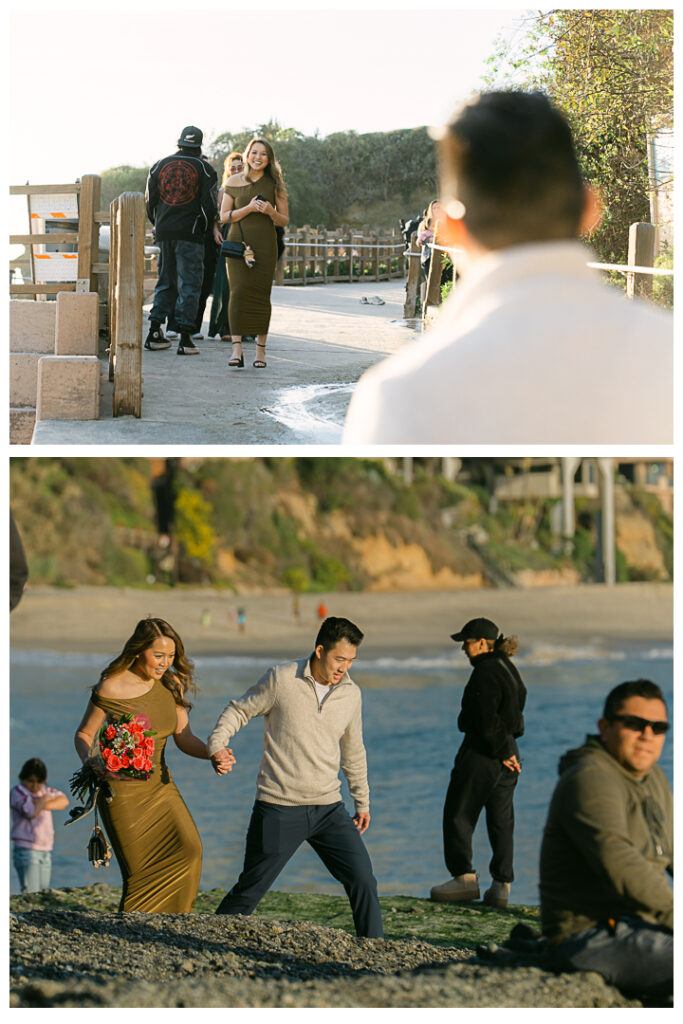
(82,957)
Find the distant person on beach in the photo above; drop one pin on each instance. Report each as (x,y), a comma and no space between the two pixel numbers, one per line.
(486,767)
(606,902)
(154,838)
(18,566)
(254,204)
(181,204)
(312,725)
(531,346)
(33,834)
(322,612)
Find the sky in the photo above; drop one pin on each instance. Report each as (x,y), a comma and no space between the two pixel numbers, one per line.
(134,78)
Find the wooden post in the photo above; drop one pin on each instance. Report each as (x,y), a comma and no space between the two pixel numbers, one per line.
(114,265)
(336,253)
(304,252)
(375,255)
(413,282)
(350,252)
(433,292)
(129,278)
(88,231)
(641,253)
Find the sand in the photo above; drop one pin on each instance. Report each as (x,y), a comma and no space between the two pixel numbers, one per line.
(99,619)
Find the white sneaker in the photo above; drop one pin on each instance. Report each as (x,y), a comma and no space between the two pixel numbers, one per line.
(498,895)
(198,336)
(462,887)
(172,335)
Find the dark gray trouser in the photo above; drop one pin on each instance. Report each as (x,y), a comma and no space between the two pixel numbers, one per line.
(176,296)
(276,832)
(635,956)
(478,783)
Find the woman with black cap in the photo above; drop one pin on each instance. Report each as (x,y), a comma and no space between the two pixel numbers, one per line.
(486,766)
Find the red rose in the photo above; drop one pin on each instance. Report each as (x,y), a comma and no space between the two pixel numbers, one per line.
(139,752)
(113,763)
(110,733)
(135,727)
(106,751)
(149,744)
(139,763)
(147,765)
(125,762)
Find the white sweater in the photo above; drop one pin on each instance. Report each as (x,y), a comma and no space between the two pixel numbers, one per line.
(531,348)
(304,742)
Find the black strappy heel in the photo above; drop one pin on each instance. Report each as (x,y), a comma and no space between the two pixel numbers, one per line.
(260,363)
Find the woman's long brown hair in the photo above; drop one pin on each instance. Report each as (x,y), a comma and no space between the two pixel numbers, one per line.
(178,679)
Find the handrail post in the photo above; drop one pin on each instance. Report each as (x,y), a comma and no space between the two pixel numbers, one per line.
(88,231)
(641,253)
(129,277)
(413,282)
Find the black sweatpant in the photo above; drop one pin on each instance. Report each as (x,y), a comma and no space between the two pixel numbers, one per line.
(276,832)
(478,783)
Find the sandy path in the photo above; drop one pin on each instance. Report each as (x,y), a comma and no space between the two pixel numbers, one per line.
(99,619)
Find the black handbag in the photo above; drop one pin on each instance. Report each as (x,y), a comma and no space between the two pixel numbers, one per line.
(233,250)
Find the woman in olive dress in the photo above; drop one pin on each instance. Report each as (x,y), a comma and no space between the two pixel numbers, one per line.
(151,831)
(254,203)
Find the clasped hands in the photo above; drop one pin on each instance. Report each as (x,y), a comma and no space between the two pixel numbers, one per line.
(222,761)
(262,206)
(512,764)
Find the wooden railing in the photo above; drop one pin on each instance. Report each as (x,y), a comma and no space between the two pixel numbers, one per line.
(320,256)
(126,279)
(88,191)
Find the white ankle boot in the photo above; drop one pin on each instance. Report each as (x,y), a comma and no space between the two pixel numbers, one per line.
(462,887)
(498,895)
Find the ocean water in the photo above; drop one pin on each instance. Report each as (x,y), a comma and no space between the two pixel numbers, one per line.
(410,708)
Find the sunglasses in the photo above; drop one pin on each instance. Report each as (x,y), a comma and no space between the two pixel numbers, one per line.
(636,724)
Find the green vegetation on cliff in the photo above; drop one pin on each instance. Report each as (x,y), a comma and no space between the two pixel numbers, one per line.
(307,524)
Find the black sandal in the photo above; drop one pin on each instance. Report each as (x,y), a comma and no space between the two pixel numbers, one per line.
(260,363)
(234,359)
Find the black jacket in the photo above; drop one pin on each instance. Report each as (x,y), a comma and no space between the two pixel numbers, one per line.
(181,197)
(492,704)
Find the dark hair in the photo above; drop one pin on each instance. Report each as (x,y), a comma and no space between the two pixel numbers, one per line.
(333,630)
(34,766)
(178,678)
(617,697)
(510,158)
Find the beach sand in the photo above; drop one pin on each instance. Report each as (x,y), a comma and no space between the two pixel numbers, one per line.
(99,619)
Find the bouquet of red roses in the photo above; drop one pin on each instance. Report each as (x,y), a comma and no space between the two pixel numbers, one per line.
(127,747)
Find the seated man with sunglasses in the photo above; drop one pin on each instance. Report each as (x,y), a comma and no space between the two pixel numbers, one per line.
(606,900)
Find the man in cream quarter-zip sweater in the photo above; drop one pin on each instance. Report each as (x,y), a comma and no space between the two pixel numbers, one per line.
(312,726)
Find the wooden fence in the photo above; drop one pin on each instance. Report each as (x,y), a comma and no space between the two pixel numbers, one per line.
(321,256)
(87,191)
(638,272)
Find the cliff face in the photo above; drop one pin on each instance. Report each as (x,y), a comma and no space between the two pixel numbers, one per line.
(307,525)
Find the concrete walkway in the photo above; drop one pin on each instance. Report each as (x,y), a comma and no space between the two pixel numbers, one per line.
(322,339)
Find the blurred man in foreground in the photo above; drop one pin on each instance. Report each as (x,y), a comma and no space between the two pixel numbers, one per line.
(606,902)
(531,346)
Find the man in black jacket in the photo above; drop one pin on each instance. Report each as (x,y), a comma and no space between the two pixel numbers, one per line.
(486,766)
(181,203)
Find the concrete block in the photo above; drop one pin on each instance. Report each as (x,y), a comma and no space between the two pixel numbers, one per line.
(77,324)
(23,378)
(68,388)
(21,424)
(32,326)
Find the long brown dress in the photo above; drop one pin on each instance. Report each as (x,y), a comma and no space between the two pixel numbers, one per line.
(151,831)
(249,306)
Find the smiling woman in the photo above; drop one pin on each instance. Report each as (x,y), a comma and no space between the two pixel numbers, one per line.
(254,204)
(150,829)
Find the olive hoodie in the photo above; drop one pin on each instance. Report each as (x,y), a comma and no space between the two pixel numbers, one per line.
(304,741)
(607,845)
